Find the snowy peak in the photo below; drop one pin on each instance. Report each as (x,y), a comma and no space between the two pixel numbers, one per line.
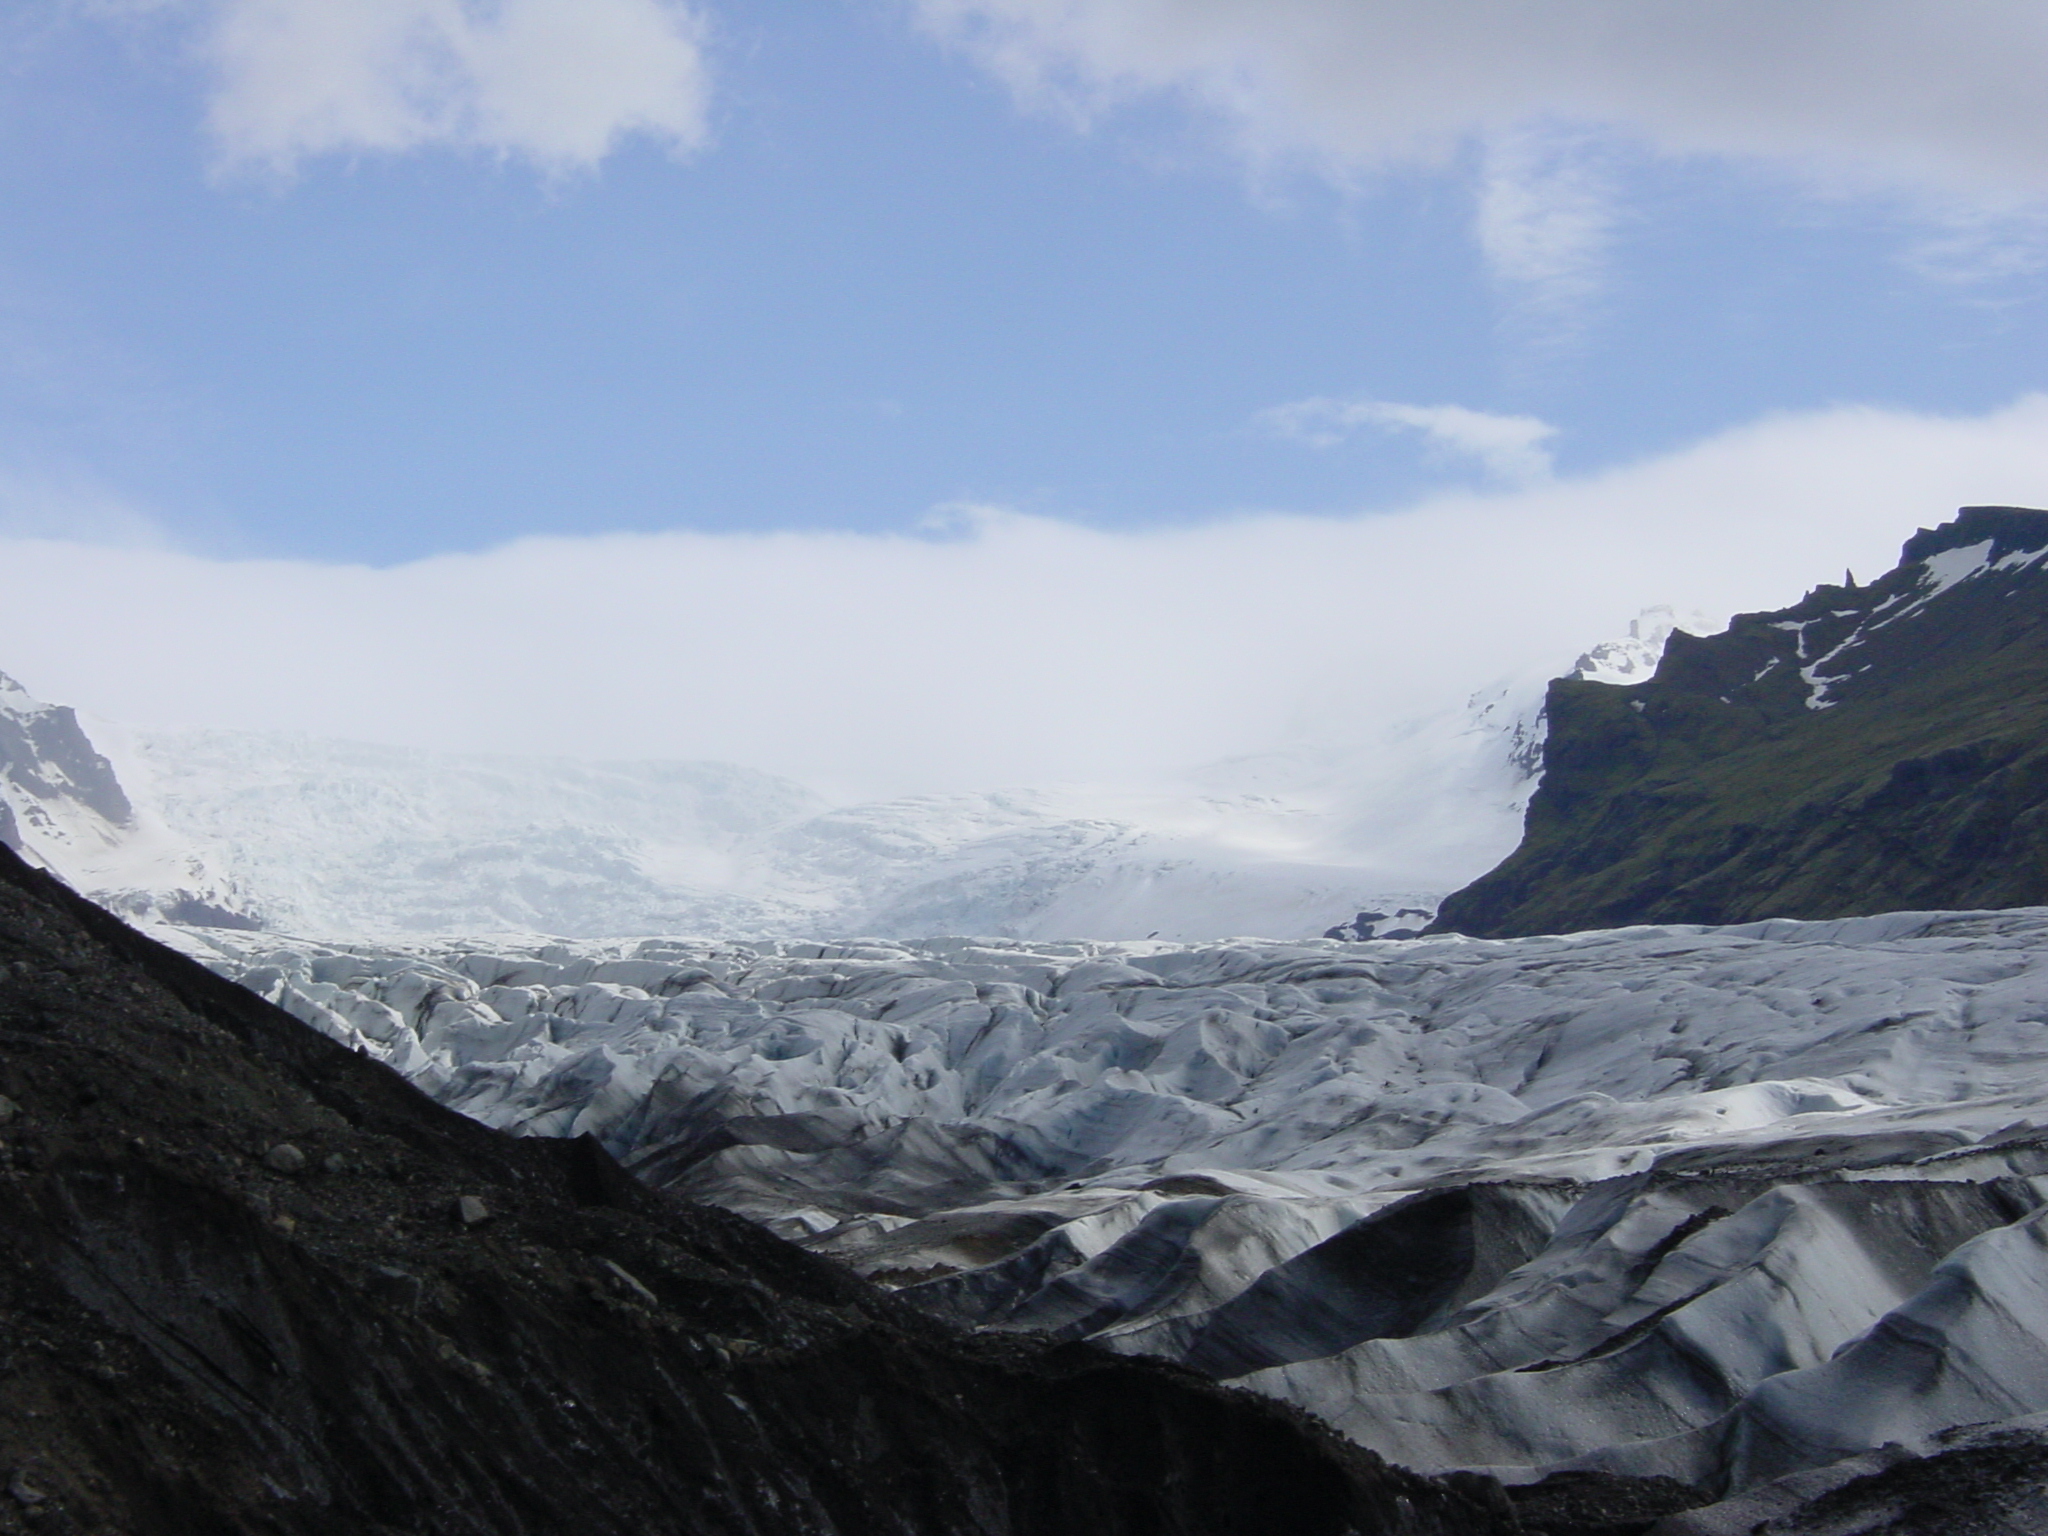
(1634,659)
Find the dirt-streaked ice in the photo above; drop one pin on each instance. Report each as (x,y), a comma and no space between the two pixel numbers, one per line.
(1656,1200)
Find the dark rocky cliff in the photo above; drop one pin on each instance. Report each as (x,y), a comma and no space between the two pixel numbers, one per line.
(1873,748)
(202,1331)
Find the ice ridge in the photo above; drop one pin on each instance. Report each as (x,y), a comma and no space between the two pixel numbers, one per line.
(1647,1200)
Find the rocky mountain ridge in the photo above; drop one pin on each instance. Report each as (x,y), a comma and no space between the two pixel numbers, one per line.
(1872,748)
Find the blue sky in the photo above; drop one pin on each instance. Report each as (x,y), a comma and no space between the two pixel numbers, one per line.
(832,386)
(878,271)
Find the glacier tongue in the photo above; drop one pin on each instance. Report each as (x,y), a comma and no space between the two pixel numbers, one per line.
(1711,1203)
(323,836)
(1345,817)
(335,837)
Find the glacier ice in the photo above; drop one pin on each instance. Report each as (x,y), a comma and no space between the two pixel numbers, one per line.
(1728,1205)
(1655,1200)
(334,837)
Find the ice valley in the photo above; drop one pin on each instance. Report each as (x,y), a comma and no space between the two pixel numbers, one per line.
(1717,1204)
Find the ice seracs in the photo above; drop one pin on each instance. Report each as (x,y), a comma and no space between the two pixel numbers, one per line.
(1645,1200)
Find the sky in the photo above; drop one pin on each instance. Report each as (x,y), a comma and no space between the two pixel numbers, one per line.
(904,392)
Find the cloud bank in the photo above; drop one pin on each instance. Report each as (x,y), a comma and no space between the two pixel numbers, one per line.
(1018,650)
(558,83)
(1935,103)
(1943,93)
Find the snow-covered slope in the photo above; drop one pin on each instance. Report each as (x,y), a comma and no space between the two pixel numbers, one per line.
(341,838)
(334,837)
(337,838)
(1633,658)
(1711,1203)
(63,805)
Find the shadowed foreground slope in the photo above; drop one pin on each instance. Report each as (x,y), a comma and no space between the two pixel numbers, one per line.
(196,1340)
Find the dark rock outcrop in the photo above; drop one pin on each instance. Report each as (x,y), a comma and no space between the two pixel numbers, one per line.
(1405,923)
(1873,748)
(201,1334)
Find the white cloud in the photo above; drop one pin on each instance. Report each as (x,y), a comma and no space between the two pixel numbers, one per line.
(1013,649)
(1944,91)
(555,82)
(1973,243)
(1937,97)
(1509,448)
(1546,214)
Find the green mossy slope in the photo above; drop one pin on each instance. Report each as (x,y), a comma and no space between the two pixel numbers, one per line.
(1718,792)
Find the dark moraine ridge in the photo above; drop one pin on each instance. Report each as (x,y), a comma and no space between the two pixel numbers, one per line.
(198,1341)
(1873,748)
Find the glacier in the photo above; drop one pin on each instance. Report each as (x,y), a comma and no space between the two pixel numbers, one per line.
(334,837)
(348,838)
(1725,1205)
(1762,1208)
